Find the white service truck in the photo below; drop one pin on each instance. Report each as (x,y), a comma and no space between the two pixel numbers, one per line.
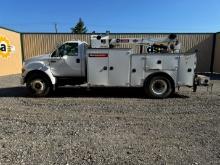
(158,72)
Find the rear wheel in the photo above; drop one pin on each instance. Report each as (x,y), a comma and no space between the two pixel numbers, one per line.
(38,86)
(158,87)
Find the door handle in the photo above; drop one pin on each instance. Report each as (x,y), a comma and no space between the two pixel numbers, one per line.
(77,60)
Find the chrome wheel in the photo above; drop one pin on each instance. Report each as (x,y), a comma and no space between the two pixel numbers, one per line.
(38,86)
(159,87)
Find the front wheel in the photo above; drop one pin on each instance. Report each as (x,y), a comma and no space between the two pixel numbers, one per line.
(158,87)
(38,86)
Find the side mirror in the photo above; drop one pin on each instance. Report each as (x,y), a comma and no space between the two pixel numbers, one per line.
(57,53)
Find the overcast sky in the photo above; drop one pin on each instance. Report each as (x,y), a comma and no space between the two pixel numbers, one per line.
(114,15)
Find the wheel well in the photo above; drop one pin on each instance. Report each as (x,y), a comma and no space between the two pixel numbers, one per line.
(148,78)
(37,73)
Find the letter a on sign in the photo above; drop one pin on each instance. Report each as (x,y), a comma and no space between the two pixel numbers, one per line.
(3,47)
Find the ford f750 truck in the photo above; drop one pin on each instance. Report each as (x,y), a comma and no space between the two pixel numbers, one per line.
(158,72)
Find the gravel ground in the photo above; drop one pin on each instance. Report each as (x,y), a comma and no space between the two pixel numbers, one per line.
(108,126)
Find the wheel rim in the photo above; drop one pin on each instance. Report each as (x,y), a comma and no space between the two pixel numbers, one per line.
(159,87)
(38,86)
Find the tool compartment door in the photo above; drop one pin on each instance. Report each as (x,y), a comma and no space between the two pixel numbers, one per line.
(186,71)
(137,69)
(97,69)
(162,62)
(119,67)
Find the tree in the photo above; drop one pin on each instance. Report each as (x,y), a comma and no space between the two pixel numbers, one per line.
(79,27)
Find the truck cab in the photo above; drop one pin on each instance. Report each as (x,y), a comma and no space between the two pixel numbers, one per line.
(64,66)
(68,60)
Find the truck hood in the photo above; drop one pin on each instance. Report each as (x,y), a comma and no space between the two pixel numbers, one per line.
(43,57)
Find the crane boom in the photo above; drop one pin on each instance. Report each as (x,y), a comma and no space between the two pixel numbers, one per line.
(144,41)
(168,44)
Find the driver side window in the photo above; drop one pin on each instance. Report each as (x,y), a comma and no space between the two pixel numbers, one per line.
(69,49)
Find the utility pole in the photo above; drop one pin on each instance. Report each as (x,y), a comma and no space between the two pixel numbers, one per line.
(55,26)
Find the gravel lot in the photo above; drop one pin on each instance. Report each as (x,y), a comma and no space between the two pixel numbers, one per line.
(108,126)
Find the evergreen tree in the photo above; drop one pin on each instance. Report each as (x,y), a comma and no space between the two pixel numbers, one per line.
(79,27)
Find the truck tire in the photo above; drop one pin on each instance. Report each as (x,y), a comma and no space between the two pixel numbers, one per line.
(158,87)
(38,86)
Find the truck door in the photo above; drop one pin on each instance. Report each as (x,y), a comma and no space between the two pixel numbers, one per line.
(66,61)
